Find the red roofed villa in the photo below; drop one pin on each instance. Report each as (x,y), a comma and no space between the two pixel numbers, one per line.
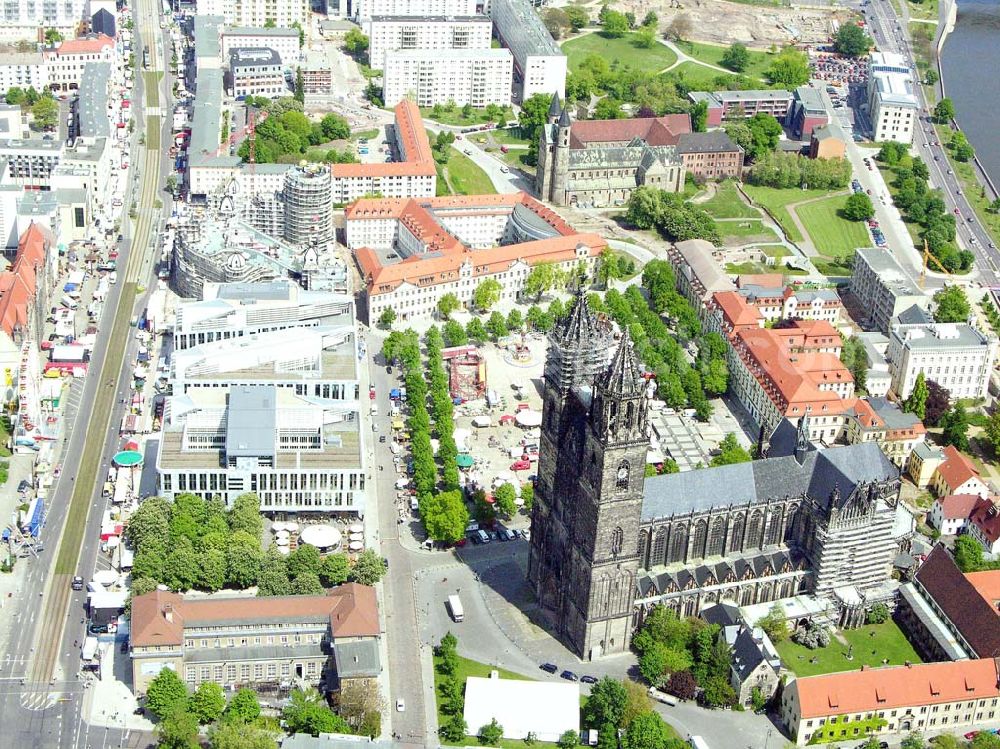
(411,252)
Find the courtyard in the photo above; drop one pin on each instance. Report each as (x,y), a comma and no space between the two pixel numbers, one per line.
(873,645)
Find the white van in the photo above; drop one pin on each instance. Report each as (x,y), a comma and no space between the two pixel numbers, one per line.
(68,301)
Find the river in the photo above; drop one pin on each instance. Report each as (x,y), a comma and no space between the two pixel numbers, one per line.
(971,61)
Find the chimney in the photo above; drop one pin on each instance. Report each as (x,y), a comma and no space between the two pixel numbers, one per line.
(168,612)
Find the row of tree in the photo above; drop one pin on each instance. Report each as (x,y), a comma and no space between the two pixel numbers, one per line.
(788,170)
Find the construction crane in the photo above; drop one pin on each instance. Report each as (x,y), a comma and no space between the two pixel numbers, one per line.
(248,131)
(928,256)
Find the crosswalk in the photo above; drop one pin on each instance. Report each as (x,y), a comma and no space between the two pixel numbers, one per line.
(37,701)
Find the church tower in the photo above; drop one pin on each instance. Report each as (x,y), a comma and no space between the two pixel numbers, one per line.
(588,503)
(552,171)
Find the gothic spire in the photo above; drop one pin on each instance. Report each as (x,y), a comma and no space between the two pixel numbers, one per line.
(622,377)
(580,325)
(555,108)
(564,120)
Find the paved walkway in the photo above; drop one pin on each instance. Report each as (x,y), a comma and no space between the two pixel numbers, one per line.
(807,244)
(683,57)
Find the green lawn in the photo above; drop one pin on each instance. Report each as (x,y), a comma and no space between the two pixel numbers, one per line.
(928,9)
(466,177)
(454,116)
(375,132)
(886,640)
(754,268)
(833,235)
(727,203)
(697,77)
(746,229)
(712,54)
(623,51)
(775,199)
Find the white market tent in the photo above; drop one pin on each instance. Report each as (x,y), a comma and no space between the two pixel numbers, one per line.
(545,709)
(529,418)
(321,536)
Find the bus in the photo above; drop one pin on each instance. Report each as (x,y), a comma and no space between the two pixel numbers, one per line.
(145,57)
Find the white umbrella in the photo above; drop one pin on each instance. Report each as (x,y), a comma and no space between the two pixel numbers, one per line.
(281,541)
(291,527)
(277,525)
(321,536)
(282,534)
(529,418)
(356,546)
(356,528)
(284,550)
(357,537)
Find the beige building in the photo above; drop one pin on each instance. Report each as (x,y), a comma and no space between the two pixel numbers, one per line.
(951,697)
(247,642)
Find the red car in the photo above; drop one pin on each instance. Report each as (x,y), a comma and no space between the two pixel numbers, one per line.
(371,393)
(971,735)
(520,465)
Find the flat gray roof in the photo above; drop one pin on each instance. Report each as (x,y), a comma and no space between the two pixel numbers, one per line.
(251,420)
(206,36)
(92,105)
(889,271)
(939,335)
(258,31)
(206,128)
(250,56)
(522,30)
(810,98)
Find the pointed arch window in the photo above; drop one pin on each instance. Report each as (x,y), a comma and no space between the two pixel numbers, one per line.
(621,476)
(617,539)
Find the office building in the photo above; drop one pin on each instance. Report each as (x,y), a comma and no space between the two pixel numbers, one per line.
(883,288)
(892,106)
(392,33)
(412,252)
(31,161)
(257,71)
(411,173)
(283,41)
(775,300)
(300,454)
(240,641)
(807,113)
(711,155)
(699,275)
(728,105)
(957,356)
(477,77)
(539,64)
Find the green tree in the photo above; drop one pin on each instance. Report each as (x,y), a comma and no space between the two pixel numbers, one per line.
(730,452)
(504,500)
(232,736)
(699,117)
(306,712)
(387,318)
(52,36)
(491,733)
(659,661)
(773,623)
(985,740)
(877,614)
(515,321)
(540,278)
(606,704)
(644,38)
(913,741)
(496,326)
(245,515)
(951,304)
(790,69)
(968,554)
(244,707)
(765,132)
(244,558)
(486,294)
(305,558)
(556,21)
(647,731)
(207,702)
(944,111)
(614,24)
(166,693)
(334,127)
(736,58)
(858,207)
(355,42)
(178,730)
(851,40)
(368,568)
(650,20)
(719,692)
(447,304)
(454,334)
(577,17)
(16,96)
(955,424)
(917,402)
(334,570)
(150,520)
(930,78)
(476,331)
(568,740)
(212,575)
(307,584)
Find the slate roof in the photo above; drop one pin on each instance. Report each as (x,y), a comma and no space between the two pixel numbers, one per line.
(357,659)
(747,654)
(957,598)
(733,568)
(842,467)
(714,142)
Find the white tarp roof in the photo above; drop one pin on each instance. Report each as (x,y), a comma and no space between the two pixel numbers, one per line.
(548,710)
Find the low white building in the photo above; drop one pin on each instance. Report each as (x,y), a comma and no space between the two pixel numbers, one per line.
(957,356)
(392,33)
(542,708)
(477,77)
(283,41)
(892,105)
(950,514)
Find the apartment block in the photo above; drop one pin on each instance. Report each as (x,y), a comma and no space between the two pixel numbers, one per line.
(23,70)
(278,13)
(256,71)
(727,105)
(392,33)
(67,60)
(364,10)
(892,105)
(883,288)
(301,455)
(240,641)
(478,77)
(19,17)
(775,300)
(283,41)
(539,64)
(957,356)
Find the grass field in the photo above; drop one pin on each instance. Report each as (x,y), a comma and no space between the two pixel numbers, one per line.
(748,230)
(454,116)
(369,134)
(928,9)
(712,54)
(728,203)
(698,77)
(775,200)
(465,177)
(833,235)
(622,50)
(886,640)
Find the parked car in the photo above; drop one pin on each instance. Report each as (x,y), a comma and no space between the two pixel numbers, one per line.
(549,667)
(77,582)
(569,676)
(520,465)
(587,679)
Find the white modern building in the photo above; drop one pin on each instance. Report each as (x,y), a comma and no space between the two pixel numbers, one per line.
(18,18)
(363,10)
(478,77)
(882,287)
(23,70)
(957,356)
(232,310)
(300,454)
(281,13)
(392,33)
(539,64)
(283,41)
(892,106)
(256,71)
(67,60)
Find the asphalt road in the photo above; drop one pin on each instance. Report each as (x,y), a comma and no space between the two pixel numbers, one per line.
(41,696)
(884,21)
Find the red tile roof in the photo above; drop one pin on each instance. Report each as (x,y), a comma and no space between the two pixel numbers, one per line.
(159,618)
(450,254)
(987,585)
(954,506)
(986,517)
(656,131)
(416,150)
(17,285)
(900,686)
(767,280)
(736,311)
(956,468)
(85,45)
